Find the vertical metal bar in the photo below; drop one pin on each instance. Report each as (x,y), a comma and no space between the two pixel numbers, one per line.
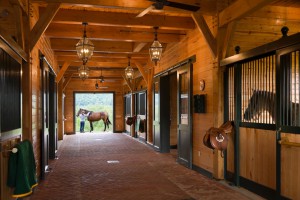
(232,92)
(259,82)
(294,89)
(263,83)
(269,78)
(245,82)
(298,81)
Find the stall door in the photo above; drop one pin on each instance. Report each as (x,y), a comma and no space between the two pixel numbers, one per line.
(52,116)
(184,116)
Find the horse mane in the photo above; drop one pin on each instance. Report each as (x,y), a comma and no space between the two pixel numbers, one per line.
(259,102)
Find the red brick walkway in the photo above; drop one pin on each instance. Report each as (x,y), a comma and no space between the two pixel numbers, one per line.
(95,166)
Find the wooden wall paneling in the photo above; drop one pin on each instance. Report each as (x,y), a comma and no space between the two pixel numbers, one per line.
(258,156)
(290,170)
(119,111)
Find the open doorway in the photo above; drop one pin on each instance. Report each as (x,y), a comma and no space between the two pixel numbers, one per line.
(95,102)
(173,113)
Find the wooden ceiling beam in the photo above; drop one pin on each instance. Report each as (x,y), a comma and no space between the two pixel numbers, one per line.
(74,31)
(100,3)
(6,37)
(42,24)
(124,19)
(62,71)
(142,71)
(239,9)
(100,46)
(204,29)
(93,59)
(75,58)
(139,46)
(134,55)
(97,64)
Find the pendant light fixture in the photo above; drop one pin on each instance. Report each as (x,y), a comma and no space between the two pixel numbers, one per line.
(129,71)
(156,48)
(83,71)
(84,47)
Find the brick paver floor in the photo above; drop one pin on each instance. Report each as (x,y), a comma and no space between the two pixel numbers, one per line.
(114,166)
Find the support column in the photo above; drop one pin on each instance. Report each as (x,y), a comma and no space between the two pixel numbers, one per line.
(150,106)
(60,117)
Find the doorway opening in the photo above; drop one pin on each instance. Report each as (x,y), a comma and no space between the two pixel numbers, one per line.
(173,114)
(95,102)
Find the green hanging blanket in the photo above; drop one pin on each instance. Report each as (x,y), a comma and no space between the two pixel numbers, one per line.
(22,170)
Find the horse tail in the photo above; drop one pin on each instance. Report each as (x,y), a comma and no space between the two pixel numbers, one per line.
(107,120)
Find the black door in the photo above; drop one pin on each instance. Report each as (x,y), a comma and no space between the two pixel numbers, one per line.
(184,116)
(52,116)
(165,114)
(44,117)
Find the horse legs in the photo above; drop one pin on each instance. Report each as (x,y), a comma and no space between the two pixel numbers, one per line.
(91,126)
(104,125)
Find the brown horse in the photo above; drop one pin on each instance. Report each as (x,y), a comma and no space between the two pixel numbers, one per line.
(95,116)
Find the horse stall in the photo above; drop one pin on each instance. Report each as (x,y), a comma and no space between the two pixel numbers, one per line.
(140,113)
(127,112)
(262,94)
(10,111)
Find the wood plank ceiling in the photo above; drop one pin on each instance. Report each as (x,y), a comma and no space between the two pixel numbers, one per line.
(116,31)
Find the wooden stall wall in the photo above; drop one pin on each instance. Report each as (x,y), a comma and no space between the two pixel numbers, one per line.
(258,156)
(88,85)
(290,171)
(194,44)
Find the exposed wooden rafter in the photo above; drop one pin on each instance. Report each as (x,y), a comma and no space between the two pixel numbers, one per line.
(62,71)
(204,29)
(142,71)
(43,23)
(14,45)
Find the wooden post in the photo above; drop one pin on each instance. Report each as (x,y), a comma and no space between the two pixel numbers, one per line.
(60,117)
(150,106)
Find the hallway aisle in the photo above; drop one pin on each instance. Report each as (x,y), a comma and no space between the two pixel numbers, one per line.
(113,166)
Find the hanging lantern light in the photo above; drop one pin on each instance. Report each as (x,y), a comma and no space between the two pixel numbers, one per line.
(156,48)
(129,71)
(83,71)
(85,47)
(96,85)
